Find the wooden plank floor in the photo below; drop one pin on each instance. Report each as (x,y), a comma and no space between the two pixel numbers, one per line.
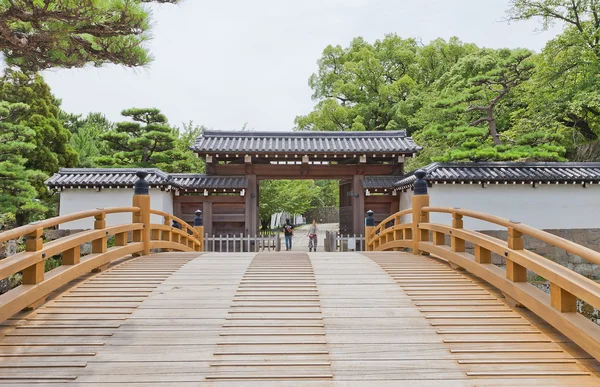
(286,319)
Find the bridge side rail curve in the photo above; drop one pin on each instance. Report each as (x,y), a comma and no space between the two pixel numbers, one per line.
(135,238)
(559,308)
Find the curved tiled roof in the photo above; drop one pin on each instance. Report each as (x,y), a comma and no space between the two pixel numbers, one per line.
(245,142)
(376,182)
(126,178)
(506,172)
(193,181)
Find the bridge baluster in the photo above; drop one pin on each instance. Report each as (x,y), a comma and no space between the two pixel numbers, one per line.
(72,256)
(439,238)
(514,271)
(562,300)
(482,255)
(121,239)
(457,244)
(99,245)
(35,273)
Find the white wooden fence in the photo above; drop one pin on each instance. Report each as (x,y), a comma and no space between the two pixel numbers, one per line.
(241,243)
(335,241)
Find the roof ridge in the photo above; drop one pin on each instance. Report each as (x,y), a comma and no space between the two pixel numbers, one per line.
(274,134)
(556,171)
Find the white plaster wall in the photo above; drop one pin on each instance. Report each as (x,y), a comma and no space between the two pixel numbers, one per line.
(76,200)
(406,202)
(547,206)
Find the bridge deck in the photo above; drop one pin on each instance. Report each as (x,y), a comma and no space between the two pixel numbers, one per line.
(290,319)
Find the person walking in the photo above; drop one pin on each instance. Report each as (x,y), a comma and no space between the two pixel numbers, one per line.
(288,232)
(312,237)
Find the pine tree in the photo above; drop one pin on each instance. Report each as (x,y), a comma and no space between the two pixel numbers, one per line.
(52,149)
(146,142)
(17,193)
(36,35)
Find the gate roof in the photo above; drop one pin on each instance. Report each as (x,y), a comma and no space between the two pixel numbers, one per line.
(378,144)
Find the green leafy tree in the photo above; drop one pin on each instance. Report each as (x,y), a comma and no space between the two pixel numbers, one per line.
(186,136)
(18,195)
(36,35)
(327,194)
(470,113)
(146,142)
(582,18)
(358,86)
(86,136)
(52,148)
(377,86)
(291,196)
(563,94)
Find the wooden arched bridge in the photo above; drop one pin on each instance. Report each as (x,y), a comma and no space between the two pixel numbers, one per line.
(154,309)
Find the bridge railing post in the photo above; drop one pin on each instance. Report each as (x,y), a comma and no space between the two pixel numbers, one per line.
(199,226)
(99,246)
(420,199)
(457,244)
(34,274)
(369,227)
(141,199)
(514,271)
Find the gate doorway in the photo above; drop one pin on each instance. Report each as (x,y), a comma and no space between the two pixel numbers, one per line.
(366,164)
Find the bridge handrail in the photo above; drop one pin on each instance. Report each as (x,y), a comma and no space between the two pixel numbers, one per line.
(544,236)
(38,284)
(169,217)
(395,217)
(19,232)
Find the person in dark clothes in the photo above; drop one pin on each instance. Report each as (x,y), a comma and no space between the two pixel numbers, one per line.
(288,232)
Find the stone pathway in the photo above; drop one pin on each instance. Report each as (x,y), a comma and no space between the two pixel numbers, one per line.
(300,240)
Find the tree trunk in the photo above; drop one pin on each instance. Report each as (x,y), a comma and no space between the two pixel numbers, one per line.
(582,126)
(492,128)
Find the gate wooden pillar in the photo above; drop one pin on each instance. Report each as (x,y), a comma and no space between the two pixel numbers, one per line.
(358,206)
(252,205)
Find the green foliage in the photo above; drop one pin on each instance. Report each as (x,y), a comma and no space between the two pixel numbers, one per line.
(18,196)
(51,148)
(459,101)
(146,142)
(377,86)
(292,196)
(471,115)
(86,136)
(37,35)
(563,95)
(328,194)
(186,136)
(295,196)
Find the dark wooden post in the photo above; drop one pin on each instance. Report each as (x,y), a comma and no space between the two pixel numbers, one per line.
(199,226)
(207,217)
(358,206)
(251,205)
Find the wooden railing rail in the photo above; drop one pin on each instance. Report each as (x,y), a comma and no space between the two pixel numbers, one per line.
(19,232)
(541,235)
(395,218)
(559,308)
(168,218)
(38,284)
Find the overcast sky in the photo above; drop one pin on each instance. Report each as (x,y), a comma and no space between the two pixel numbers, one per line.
(222,63)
